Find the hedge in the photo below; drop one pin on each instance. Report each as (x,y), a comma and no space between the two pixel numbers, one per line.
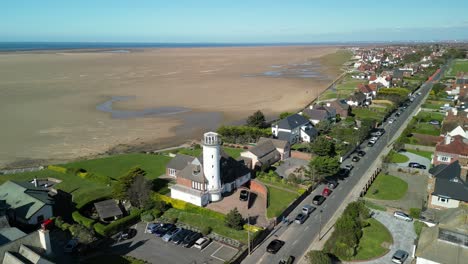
(181,205)
(57,168)
(252,228)
(117,225)
(82,220)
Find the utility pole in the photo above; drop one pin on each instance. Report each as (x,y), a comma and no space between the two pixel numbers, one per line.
(320,225)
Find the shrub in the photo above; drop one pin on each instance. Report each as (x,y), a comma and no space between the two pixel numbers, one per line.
(173,220)
(147,217)
(206,230)
(65,226)
(82,220)
(252,228)
(301,191)
(84,235)
(234,219)
(57,168)
(415,212)
(181,205)
(156,213)
(117,225)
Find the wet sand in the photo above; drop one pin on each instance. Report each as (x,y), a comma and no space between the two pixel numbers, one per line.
(49,100)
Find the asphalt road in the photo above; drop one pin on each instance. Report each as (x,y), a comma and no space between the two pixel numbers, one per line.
(298,238)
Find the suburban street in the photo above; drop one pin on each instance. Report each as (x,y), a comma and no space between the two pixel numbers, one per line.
(299,237)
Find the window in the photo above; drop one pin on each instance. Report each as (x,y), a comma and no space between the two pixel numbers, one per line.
(212,156)
(443,158)
(442,199)
(172,172)
(212,166)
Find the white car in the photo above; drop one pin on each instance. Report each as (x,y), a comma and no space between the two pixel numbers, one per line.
(402,216)
(202,243)
(390,121)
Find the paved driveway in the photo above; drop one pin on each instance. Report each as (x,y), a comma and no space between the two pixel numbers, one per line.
(289,165)
(415,158)
(403,237)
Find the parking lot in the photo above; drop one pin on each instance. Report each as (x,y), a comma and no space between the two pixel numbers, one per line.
(153,249)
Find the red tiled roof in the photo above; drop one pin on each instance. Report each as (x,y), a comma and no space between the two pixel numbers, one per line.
(373,78)
(457,146)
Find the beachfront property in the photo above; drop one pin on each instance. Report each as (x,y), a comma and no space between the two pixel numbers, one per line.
(317,113)
(357,99)
(294,129)
(25,202)
(206,178)
(267,152)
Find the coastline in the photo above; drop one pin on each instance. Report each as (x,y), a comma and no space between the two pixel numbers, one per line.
(229,113)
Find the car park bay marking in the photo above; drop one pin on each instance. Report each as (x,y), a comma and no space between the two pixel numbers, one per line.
(213,255)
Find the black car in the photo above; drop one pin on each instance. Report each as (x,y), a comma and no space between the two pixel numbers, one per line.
(127,233)
(361,153)
(191,239)
(397,114)
(318,199)
(179,237)
(164,229)
(416,165)
(370,144)
(289,260)
(244,195)
(355,159)
(301,218)
(275,246)
(343,172)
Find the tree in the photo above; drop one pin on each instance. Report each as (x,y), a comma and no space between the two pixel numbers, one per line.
(324,126)
(285,114)
(256,120)
(318,257)
(322,166)
(84,235)
(322,146)
(234,219)
(139,191)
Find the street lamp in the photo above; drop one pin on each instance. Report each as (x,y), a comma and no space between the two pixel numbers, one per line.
(248,223)
(320,225)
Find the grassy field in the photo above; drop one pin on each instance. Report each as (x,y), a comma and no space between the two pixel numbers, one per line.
(327,95)
(426,154)
(418,227)
(278,201)
(427,129)
(457,66)
(387,187)
(376,113)
(233,152)
(201,221)
(397,157)
(428,116)
(370,244)
(336,59)
(375,206)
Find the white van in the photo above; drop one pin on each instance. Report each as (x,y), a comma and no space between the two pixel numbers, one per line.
(308,209)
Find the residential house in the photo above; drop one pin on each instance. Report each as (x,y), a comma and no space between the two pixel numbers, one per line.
(446,242)
(206,178)
(357,99)
(367,91)
(317,113)
(452,148)
(342,108)
(27,203)
(294,129)
(461,84)
(267,152)
(178,163)
(384,81)
(18,247)
(108,210)
(450,188)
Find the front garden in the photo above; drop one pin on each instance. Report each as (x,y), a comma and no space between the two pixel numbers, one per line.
(375,241)
(387,187)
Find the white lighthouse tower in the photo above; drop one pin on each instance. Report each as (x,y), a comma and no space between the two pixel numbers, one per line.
(211,164)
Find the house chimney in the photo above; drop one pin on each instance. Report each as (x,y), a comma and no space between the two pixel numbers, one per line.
(44,238)
(448,139)
(35,182)
(328,104)
(311,107)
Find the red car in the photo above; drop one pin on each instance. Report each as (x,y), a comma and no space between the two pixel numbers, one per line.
(326,192)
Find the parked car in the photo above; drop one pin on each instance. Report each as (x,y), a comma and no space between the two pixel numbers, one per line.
(201,243)
(326,192)
(391,120)
(275,246)
(349,166)
(191,239)
(161,231)
(331,182)
(151,228)
(289,260)
(71,246)
(343,172)
(355,159)
(397,114)
(127,233)
(318,199)
(400,256)
(179,237)
(308,209)
(171,234)
(300,218)
(370,143)
(361,153)
(244,195)
(416,165)
(402,216)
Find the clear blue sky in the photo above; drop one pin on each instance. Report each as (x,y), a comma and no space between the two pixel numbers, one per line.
(232,20)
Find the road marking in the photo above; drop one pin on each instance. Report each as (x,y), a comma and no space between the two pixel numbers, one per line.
(325,206)
(146,228)
(294,243)
(333,196)
(213,255)
(212,243)
(307,227)
(339,188)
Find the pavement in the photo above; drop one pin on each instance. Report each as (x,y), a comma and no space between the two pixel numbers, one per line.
(415,158)
(299,238)
(289,165)
(403,237)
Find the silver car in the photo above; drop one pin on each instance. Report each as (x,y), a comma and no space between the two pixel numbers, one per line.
(169,235)
(402,216)
(400,256)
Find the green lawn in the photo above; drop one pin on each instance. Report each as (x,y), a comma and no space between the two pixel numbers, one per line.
(426,154)
(200,221)
(457,66)
(397,157)
(327,95)
(116,166)
(278,201)
(387,187)
(428,116)
(375,206)
(276,181)
(233,152)
(370,244)
(376,114)
(418,227)
(427,129)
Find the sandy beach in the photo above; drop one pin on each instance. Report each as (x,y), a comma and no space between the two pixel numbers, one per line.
(49,100)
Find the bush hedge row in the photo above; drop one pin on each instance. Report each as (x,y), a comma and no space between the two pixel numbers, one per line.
(82,220)
(181,205)
(117,225)
(57,168)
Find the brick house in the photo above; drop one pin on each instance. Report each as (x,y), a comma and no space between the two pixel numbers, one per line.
(450,150)
(341,107)
(267,152)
